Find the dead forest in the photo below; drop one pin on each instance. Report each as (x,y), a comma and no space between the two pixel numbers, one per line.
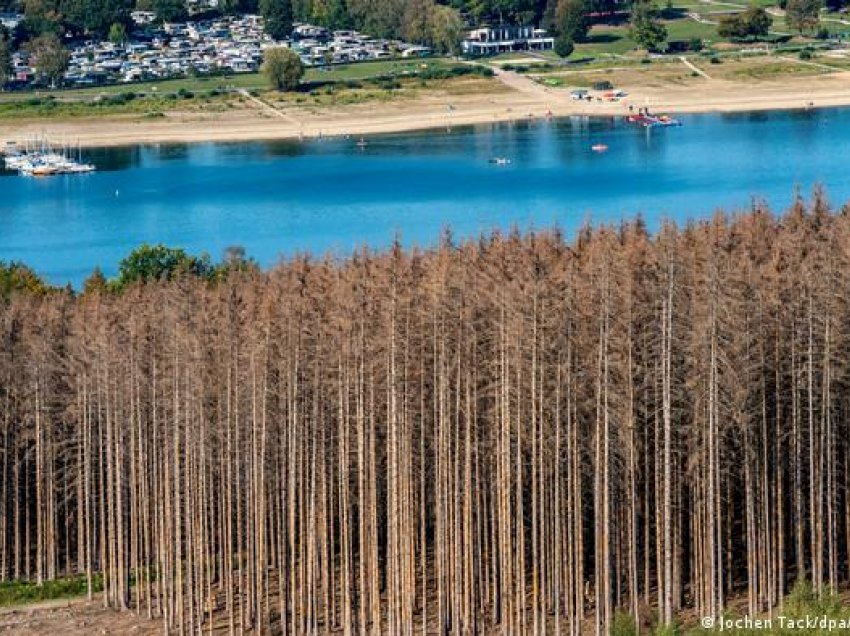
(513,434)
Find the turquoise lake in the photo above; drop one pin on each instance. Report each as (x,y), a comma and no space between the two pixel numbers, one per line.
(278,198)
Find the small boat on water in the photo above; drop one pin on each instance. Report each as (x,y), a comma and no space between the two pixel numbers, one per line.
(599,147)
(500,161)
(362,143)
(650,121)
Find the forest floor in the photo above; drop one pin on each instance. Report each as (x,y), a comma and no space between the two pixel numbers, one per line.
(73,617)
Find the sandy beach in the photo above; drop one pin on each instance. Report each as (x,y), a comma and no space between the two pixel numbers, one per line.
(514,97)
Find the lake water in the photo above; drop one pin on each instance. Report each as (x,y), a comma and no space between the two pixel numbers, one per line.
(278,198)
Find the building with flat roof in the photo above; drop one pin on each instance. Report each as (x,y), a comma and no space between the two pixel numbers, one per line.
(11,20)
(503,39)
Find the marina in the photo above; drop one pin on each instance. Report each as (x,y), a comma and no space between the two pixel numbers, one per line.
(43,159)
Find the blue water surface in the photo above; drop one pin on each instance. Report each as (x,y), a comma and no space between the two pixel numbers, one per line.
(279,198)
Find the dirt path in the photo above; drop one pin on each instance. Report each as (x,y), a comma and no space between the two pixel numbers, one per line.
(267,107)
(694,68)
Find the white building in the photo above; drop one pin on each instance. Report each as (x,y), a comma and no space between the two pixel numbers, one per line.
(502,39)
(11,20)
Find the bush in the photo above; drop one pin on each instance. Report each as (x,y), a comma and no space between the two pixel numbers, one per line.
(434,72)
(20,592)
(715,60)
(623,625)
(117,100)
(604,85)
(806,54)
(666,630)
(695,44)
(564,46)
(822,34)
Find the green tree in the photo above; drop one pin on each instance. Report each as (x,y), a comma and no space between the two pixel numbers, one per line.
(40,17)
(94,17)
(564,46)
(17,277)
(571,19)
(446,29)
(283,68)
(803,15)
(5,59)
(158,262)
(329,13)
(169,10)
(416,21)
(118,33)
(758,22)
(646,27)
(754,22)
(277,18)
(49,58)
(732,26)
(380,18)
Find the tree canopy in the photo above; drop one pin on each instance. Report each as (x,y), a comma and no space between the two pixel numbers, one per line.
(5,58)
(646,29)
(564,46)
(571,20)
(803,15)
(282,68)
(277,17)
(49,58)
(512,434)
(755,22)
(158,262)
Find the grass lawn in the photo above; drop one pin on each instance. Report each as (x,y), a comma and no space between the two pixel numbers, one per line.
(192,84)
(365,70)
(688,29)
(360,70)
(605,39)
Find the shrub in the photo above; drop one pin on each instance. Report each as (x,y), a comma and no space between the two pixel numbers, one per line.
(806,54)
(623,625)
(564,46)
(20,592)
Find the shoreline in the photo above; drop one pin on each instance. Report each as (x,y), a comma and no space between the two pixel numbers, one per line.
(524,100)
